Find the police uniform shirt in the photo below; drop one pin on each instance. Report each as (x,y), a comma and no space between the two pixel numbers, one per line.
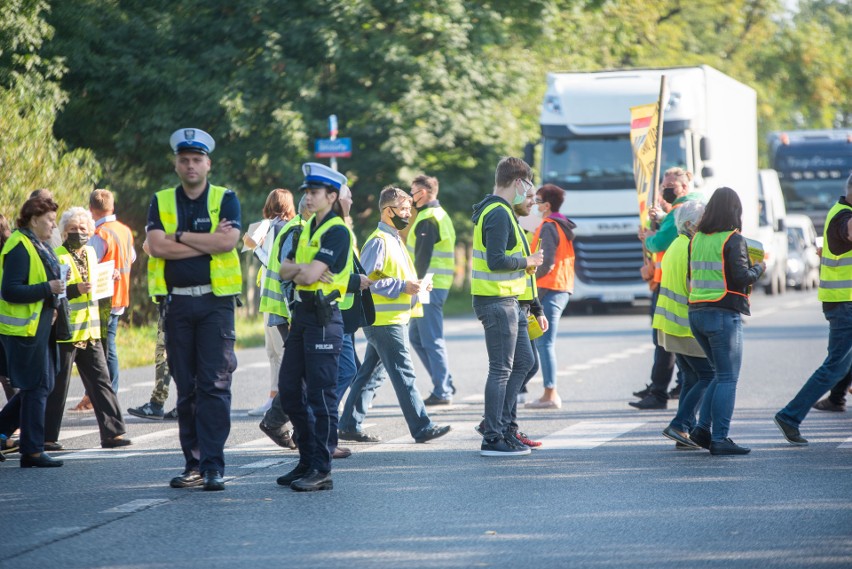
(334,245)
(193,217)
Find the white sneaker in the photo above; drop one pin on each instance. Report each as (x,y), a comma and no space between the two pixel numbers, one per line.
(261,411)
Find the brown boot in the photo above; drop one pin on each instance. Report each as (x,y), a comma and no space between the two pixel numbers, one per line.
(84,406)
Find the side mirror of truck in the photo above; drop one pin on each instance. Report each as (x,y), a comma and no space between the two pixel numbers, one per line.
(704,149)
(707,172)
(529,153)
(780,225)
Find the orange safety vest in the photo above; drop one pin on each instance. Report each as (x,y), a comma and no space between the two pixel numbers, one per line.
(561,277)
(119,248)
(658,257)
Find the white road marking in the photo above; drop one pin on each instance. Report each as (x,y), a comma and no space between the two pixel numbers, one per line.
(847,443)
(122,452)
(586,435)
(135,506)
(269,462)
(66,434)
(460,433)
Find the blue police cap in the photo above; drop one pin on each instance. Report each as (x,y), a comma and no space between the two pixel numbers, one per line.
(321,176)
(192,140)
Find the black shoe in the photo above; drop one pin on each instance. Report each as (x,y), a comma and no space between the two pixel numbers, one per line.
(829,405)
(512,441)
(115,442)
(679,436)
(674,392)
(313,481)
(701,437)
(643,393)
(649,402)
(727,447)
(432,400)
(213,481)
(432,433)
(358,437)
(171,415)
(790,432)
(681,446)
(341,452)
(147,411)
(53,446)
(188,479)
(282,437)
(40,461)
(499,447)
(480,428)
(295,474)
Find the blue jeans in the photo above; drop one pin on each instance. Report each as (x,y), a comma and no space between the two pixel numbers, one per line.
(346,368)
(833,369)
(112,351)
(388,345)
(427,338)
(720,334)
(697,375)
(554,303)
(510,357)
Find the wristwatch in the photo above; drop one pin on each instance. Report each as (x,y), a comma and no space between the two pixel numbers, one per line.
(177,236)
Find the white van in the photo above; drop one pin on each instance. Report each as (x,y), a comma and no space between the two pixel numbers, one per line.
(772,232)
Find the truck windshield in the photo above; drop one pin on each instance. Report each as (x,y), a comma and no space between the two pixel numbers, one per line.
(601,162)
(811,194)
(813,175)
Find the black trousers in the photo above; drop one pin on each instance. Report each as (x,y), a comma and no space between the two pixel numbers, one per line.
(664,362)
(308,379)
(92,365)
(200,349)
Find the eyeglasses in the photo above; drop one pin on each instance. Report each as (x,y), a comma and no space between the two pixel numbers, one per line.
(538,201)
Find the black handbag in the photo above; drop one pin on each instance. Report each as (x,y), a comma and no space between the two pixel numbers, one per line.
(63,319)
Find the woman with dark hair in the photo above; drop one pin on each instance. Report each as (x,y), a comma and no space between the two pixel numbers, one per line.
(721,276)
(555,280)
(30,283)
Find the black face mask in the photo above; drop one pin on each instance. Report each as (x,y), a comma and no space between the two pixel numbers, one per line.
(669,195)
(399,223)
(76,240)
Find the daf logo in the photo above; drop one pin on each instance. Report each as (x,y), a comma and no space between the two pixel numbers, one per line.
(619,227)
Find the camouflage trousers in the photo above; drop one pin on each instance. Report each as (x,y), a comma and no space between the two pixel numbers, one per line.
(162,378)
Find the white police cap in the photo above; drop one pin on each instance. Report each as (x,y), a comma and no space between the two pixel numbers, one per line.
(321,176)
(192,140)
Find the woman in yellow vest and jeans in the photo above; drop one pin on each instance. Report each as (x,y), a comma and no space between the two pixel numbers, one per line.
(720,277)
(30,283)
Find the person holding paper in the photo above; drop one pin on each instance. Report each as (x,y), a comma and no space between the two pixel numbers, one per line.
(431,242)
(84,348)
(30,284)
(384,257)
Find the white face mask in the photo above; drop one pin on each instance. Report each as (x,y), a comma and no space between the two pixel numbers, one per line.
(535,211)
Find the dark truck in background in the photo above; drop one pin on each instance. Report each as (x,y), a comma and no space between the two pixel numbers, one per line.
(813,166)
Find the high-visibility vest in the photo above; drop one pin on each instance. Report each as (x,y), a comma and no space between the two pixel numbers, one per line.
(708,282)
(226,276)
(309,246)
(272,298)
(443,261)
(398,265)
(85,320)
(561,277)
(349,299)
(531,290)
(671,314)
(658,266)
(835,271)
(484,281)
(119,249)
(22,319)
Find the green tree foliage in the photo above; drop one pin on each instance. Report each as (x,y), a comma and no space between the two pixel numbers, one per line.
(30,155)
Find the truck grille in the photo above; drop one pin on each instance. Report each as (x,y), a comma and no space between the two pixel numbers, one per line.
(608,259)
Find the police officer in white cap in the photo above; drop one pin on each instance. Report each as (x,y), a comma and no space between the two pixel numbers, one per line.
(194,272)
(320,267)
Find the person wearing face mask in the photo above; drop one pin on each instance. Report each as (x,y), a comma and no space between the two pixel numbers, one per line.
(499,277)
(677,187)
(385,258)
(84,348)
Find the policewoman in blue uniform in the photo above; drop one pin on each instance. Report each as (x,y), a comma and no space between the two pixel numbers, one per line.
(194,272)
(320,268)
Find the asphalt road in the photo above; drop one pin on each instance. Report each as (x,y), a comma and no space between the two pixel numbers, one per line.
(606,490)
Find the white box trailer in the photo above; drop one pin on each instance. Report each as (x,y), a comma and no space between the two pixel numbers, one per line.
(710,128)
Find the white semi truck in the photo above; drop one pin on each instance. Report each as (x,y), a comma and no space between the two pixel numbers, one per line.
(710,128)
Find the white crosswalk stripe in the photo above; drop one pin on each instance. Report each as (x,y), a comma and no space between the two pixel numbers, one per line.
(586,435)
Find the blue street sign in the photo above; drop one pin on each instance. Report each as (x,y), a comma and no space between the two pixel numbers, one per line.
(337,148)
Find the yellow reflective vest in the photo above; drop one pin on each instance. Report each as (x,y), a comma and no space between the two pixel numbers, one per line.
(398,265)
(443,261)
(272,298)
(671,314)
(531,290)
(707,266)
(226,276)
(85,319)
(22,319)
(484,281)
(309,246)
(835,271)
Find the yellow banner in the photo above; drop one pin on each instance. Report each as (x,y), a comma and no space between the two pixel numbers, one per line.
(644,126)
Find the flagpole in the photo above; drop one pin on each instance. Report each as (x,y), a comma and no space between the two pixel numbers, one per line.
(655,188)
